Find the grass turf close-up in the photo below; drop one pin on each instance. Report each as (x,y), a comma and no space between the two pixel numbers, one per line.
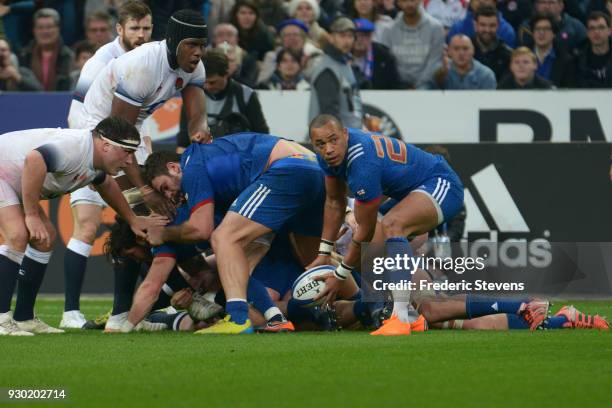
(435,368)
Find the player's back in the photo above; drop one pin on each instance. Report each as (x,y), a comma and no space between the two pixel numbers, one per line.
(375,165)
(231,163)
(74,146)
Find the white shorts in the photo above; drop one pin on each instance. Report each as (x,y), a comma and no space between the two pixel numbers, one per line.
(8,196)
(86,195)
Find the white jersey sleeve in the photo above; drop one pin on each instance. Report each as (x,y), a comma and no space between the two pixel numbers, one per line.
(136,80)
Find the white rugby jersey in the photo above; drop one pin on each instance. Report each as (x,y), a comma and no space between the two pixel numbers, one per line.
(68,154)
(91,69)
(142,77)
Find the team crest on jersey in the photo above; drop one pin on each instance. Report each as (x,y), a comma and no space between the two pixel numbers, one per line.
(179,83)
(79,177)
(361,192)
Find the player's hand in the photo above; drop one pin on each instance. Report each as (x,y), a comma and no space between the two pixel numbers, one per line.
(158,203)
(201,137)
(320,260)
(182,299)
(155,236)
(142,224)
(38,231)
(332,287)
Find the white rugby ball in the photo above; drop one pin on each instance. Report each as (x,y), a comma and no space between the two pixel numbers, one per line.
(305,288)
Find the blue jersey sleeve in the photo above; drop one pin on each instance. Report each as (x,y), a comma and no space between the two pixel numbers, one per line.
(166,250)
(364,170)
(197,186)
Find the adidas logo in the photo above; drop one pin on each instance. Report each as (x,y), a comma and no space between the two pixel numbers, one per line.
(505,217)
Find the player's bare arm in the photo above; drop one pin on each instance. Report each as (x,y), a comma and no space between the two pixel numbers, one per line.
(111,193)
(198,228)
(195,109)
(34,173)
(148,291)
(333,217)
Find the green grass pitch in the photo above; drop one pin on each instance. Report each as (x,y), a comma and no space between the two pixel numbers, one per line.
(437,368)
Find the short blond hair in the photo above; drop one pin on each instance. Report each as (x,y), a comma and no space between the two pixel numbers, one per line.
(520,51)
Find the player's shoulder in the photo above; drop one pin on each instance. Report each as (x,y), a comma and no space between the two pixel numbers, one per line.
(145,57)
(360,146)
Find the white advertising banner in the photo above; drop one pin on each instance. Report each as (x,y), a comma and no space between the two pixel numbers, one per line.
(463,116)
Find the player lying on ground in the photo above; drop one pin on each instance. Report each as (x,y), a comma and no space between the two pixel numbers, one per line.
(160,263)
(371,165)
(42,164)
(132,85)
(267,183)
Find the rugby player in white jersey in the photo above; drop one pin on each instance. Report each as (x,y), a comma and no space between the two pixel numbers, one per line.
(134,28)
(43,164)
(132,86)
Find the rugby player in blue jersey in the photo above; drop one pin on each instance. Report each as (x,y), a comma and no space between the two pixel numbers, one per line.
(264,182)
(374,166)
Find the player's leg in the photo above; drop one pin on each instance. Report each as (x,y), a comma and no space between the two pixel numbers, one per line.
(30,277)
(87,206)
(15,235)
(229,241)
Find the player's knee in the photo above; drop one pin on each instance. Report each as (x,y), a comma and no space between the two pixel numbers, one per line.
(85,230)
(18,240)
(393,226)
(220,236)
(427,310)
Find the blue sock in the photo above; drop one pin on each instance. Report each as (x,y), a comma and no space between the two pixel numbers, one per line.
(516,322)
(75,265)
(8,280)
(476,306)
(399,246)
(30,277)
(238,310)
(258,296)
(126,274)
(555,322)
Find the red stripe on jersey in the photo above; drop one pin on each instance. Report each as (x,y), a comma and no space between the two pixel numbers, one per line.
(165,255)
(200,204)
(372,201)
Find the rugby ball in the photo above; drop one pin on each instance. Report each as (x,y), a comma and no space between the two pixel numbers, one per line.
(305,288)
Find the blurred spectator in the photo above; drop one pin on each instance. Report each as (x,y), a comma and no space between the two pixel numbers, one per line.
(162,10)
(308,11)
(387,7)
(595,59)
(98,28)
(373,64)
(515,11)
(46,55)
(12,77)
(220,12)
(505,32)
(572,32)
(488,49)
(83,50)
(417,41)
(463,71)
(243,66)
(330,10)
(272,12)
(448,12)
(366,9)
(335,90)
(523,66)
(288,75)
(225,96)
(253,35)
(554,63)
(71,11)
(293,35)
(15,19)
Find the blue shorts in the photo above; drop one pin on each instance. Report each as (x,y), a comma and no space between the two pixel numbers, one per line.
(445,190)
(278,269)
(290,194)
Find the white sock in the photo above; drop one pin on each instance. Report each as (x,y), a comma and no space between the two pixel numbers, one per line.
(271,312)
(400,309)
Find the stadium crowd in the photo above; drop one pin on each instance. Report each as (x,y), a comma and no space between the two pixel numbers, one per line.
(276,44)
